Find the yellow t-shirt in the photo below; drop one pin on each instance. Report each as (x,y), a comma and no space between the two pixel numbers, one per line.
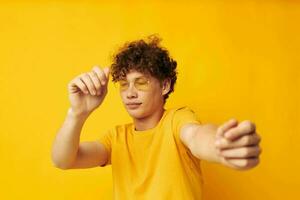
(154,163)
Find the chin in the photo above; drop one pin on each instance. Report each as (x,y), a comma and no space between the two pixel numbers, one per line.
(136,113)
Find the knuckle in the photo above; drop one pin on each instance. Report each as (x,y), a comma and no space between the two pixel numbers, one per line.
(96,67)
(255,151)
(100,71)
(247,140)
(254,162)
(78,78)
(92,74)
(259,150)
(258,138)
(248,122)
(233,119)
(257,161)
(249,125)
(252,125)
(85,75)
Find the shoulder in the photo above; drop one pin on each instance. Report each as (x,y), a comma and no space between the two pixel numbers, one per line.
(183,114)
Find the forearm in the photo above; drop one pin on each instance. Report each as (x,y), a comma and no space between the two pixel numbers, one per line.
(203,143)
(66,143)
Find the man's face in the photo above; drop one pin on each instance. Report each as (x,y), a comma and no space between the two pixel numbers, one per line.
(143,92)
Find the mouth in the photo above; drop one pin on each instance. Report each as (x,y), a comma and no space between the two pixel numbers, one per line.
(133,105)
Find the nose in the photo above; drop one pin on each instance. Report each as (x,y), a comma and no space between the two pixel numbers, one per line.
(131,91)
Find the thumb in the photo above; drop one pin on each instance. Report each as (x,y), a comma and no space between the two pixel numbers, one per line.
(106,72)
(225,127)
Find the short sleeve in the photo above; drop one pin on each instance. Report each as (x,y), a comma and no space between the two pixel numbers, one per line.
(106,140)
(182,116)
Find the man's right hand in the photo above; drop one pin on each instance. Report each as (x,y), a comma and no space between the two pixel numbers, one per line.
(88,90)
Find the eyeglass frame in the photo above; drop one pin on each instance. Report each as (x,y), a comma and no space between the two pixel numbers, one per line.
(134,83)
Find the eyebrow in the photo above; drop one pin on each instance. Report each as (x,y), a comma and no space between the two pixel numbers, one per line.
(138,77)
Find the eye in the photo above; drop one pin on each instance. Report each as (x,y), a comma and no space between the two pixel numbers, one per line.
(142,81)
(123,83)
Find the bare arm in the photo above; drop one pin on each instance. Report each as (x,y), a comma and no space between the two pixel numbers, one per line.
(86,92)
(233,144)
(200,140)
(68,152)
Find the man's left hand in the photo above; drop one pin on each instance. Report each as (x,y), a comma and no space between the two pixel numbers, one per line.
(237,144)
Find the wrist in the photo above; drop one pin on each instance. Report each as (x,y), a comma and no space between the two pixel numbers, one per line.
(218,157)
(77,116)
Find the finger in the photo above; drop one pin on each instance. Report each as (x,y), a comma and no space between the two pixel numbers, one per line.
(89,83)
(107,72)
(226,126)
(76,85)
(101,75)
(95,81)
(244,128)
(243,152)
(246,140)
(225,162)
(243,163)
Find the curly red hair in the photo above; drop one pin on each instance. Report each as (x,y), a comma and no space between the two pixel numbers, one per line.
(145,56)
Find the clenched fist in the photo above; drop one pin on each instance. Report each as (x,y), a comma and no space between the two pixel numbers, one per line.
(88,90)
(238,144)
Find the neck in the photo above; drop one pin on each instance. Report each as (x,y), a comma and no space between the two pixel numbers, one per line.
(150,121)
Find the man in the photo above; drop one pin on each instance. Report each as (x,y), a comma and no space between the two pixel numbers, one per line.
(158,155)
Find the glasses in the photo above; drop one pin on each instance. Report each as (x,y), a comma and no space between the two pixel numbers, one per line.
(141,84)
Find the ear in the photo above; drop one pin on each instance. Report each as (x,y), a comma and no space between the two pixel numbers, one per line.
(166,85)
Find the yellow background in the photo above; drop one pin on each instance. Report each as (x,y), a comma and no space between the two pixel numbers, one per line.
(235,59)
